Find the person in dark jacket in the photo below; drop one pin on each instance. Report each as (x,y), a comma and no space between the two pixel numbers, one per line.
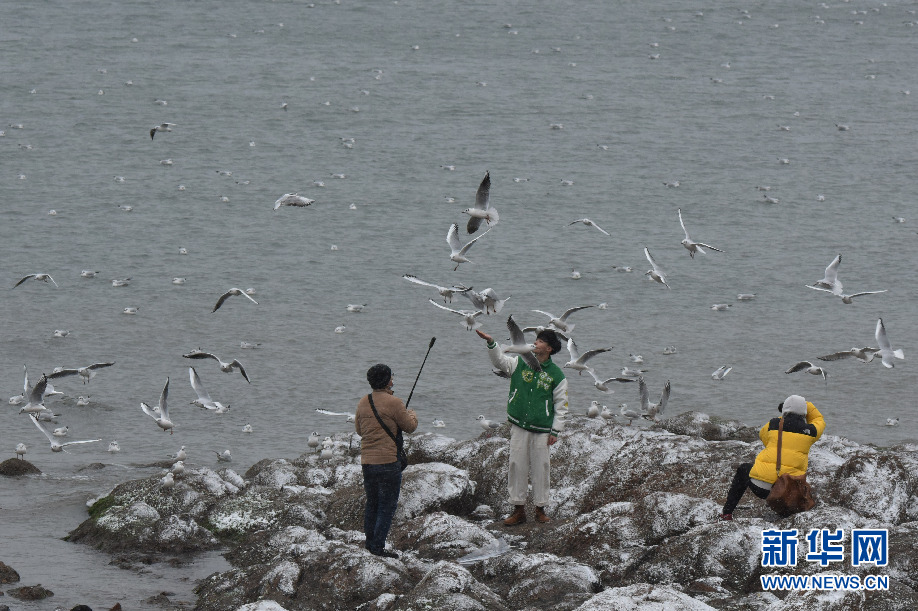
(382,472)
(803,426)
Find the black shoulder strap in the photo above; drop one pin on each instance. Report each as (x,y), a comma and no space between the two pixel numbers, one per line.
(381,423)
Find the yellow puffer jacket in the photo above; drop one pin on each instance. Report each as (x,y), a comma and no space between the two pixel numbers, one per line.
(795,446)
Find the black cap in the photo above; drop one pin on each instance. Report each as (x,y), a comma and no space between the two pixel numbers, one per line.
(551,338)
(378,376)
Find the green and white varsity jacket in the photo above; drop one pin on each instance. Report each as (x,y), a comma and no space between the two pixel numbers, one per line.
(537,401)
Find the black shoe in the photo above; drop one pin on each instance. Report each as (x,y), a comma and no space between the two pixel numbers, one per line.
(383,553)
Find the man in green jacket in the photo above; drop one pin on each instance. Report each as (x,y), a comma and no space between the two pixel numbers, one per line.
(536,407)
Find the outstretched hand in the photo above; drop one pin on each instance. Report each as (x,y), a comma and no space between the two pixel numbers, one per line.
(484,335)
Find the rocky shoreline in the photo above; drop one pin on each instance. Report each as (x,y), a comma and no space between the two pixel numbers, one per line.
(634,525)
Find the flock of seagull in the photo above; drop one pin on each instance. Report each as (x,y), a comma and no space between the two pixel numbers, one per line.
(487,302)
(34,397)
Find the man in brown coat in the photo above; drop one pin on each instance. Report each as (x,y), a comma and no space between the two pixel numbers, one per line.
(382,472)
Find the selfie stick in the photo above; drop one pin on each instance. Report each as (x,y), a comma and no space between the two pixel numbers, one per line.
(432,340)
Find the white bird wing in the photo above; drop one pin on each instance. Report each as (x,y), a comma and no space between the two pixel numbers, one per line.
(586,356)
(867,293)
(459,312)
(819,288)
(70,443)
(570,311)
(708,246)
(476,298)
(235,363)
(417,280)
(482,202)
(801,366)
(95,366)
(549,314)
(645,398)
(683,225)
(203,395)
(163,409)
(601,229)
(664,398)
(62,373)
(42,429)
(452,238)
(483,195)
(331,413)
(148,411)
(832,270)
(26,391)
(36,397)
(882,340)
(653,263)
(469,244)
(575,353)
(24,279)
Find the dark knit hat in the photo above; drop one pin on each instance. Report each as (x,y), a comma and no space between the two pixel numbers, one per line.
(378,376)
(551,338)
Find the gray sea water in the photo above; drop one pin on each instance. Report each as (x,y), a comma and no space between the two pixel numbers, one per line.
(644,94)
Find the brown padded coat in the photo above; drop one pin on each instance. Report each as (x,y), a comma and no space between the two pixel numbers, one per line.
(376,447)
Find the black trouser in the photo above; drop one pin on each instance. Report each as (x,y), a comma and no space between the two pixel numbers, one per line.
(738,487)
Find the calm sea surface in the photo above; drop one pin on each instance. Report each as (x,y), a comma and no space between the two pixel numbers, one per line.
(434,94)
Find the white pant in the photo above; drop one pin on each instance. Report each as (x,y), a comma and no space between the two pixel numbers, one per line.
(529,455)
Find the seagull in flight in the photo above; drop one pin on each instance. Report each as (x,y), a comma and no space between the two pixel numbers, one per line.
(86,373)
(578,361)
(204,399)
(57,446)
(845,298)
(652,411)
(351,416)
(162,127)
(690,245)
(830,280)
(42,277)
(560,322)
(722,371)
(588,223)
(487,300)
(656,273)
(603,385)
(458,250)
(468,316)
(519,346)
(35,395)
(865,354)
(231,293)
(482,210)
(224,367)
(809,367)
(292,199)
(886,352)
(445,292)
(160,413)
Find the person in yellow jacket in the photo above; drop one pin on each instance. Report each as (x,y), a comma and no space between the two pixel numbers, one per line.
(803,426)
